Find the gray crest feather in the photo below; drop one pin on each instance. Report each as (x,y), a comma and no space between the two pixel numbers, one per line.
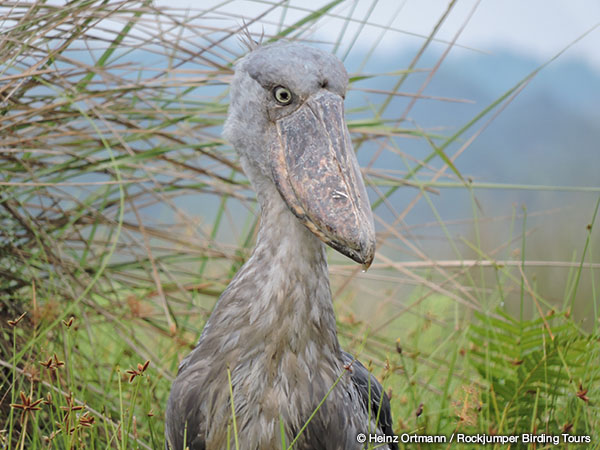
(246,39)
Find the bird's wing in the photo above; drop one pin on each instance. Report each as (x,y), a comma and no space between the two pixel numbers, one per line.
(373,391)
(184,417)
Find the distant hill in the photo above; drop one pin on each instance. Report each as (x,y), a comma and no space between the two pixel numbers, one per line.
(553,124)
(549,135)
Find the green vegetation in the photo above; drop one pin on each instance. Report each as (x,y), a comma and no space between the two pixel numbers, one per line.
(123,215)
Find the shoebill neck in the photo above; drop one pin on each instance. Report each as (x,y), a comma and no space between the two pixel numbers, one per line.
(288,271)
(275,329)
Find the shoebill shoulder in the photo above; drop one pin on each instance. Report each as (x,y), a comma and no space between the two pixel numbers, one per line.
(274,328)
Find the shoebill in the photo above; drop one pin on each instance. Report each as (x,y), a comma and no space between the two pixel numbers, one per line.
(274,327)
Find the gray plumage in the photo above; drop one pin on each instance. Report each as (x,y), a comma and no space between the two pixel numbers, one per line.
(274,327)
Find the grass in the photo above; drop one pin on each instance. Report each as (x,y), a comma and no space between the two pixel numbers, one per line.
(110,117)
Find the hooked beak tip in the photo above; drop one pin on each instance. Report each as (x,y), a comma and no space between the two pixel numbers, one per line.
(363,253)
(367,255)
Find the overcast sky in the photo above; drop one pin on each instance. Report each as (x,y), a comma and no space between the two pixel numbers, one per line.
(539,28)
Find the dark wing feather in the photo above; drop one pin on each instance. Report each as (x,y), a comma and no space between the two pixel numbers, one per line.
(360,377)
(183,408)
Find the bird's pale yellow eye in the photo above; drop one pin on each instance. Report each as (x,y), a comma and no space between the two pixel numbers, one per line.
(282,95)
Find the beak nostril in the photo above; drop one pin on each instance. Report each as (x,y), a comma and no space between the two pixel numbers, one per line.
(339,194)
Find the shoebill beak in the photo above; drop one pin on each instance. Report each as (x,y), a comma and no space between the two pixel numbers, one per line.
(316,172)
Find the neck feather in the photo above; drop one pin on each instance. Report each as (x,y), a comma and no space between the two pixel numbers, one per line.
(275,328)
(283,288)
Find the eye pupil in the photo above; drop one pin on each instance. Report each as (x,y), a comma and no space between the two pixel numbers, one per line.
(282,95)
